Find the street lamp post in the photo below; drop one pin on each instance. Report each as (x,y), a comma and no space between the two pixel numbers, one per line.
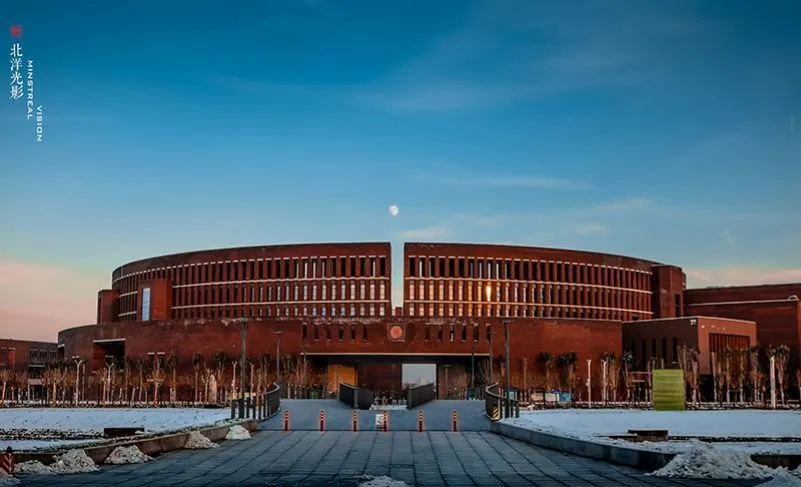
(508,362)
(304,365)
(472,369)
(488,294)
(278,356)
(243,331)
(446,367)
(78,363)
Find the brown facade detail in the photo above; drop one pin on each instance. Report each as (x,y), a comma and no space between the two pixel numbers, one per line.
(742,294)
(354,341)
(108,306)
(471,280)
(21,355)
(778,322)
(262,282)
(661,339)
(667,284)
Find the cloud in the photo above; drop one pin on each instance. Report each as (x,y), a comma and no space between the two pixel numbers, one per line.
(588,228)
(739,275)
(533,44)
(514,182)
(38,300)
(427,233)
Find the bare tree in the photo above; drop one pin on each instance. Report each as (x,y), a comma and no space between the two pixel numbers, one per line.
(720,375)
(172,369)
(567,362)
(198,364)
(755,373)
(742,372)
(5,377)
(157,379)
(546,360)
(221,361)
(781,356)
(627,361)
(726,358)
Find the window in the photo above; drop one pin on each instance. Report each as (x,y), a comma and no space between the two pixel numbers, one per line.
(146,304)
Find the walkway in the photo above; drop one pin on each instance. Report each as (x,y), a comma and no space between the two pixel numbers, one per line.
(338,458)
(304,415)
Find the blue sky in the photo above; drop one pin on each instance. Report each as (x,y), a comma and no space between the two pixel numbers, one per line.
(665,130)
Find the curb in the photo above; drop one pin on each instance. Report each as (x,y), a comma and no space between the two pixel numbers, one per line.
(630,457)
(150,446)
(641,459)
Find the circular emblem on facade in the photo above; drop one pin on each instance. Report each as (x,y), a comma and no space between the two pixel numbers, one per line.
(396,332)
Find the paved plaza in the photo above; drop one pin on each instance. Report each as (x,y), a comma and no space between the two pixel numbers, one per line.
(339,458)
(304,415)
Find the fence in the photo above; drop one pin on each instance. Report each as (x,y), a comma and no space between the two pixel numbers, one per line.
(297,391)
(355,397)
(257,406)
(416,396)
(466,393)
(499,406)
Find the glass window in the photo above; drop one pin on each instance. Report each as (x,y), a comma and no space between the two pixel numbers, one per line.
(146,304)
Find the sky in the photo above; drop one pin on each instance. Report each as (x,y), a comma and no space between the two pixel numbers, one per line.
(666,130)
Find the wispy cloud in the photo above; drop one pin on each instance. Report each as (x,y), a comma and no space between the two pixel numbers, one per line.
(739,275)
(536,47)
(38,300)
(433,232)
(521,181)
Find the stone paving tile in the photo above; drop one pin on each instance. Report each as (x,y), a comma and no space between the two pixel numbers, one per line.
(339,458)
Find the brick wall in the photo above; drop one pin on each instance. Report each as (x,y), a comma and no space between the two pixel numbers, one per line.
(763,292)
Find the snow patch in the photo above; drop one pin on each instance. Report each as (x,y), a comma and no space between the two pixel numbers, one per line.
(196,441)
(706,462)
(383,481)
(33,467)
(236,432)
(5,479)
(123,455)
(782,480)
(74,461)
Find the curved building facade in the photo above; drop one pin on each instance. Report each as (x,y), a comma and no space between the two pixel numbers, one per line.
(332,304)
(256,282)
(447,280)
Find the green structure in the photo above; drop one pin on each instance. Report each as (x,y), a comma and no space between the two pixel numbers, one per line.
(668,390)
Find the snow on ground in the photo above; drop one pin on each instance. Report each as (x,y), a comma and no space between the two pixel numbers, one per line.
(237,432)
(33,467)
(123,455)
(197,441)
(384,481)
(74,461)
(705,462)
(596,425)
(20,445)
(82,421)
(782,480)
(95,419)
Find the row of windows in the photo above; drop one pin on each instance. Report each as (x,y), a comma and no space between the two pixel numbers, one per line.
(526,270)
(432,332)
(286,268)
(717,342)
(260,293)
(441,310)
(253,310)
(509,293)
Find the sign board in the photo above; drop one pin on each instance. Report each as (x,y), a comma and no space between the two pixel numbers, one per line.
(396,332)
(669,392)
(379,420)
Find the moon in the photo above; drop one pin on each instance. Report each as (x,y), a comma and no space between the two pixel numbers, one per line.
(394,210)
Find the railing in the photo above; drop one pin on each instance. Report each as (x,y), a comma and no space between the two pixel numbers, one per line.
(498,405)
(355,397)
(416,396)
(297,391)
(466,393)
(257,406)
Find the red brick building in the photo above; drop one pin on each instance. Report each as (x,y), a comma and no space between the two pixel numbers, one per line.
(332,304)
(26,359)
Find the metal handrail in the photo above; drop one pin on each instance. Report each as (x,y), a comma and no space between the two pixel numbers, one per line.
(497,406)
